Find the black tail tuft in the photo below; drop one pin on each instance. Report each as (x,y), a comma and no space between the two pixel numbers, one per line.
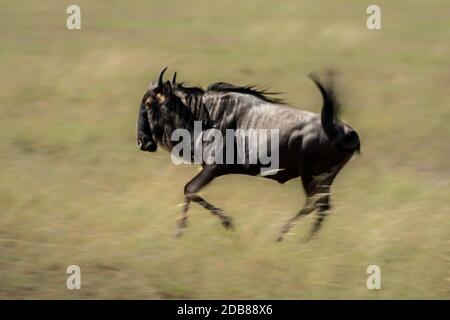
(331,106)
(330,111)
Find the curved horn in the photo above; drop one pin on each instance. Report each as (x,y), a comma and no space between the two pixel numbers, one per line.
(174,79)
(160,80)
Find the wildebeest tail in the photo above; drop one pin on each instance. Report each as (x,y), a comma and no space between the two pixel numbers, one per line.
(330,112)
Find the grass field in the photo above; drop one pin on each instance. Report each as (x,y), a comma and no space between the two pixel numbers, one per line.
(75,189)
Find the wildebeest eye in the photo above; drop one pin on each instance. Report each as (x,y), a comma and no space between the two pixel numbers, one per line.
(148,101)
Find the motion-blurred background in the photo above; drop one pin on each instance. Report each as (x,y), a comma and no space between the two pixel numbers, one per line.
(75,189)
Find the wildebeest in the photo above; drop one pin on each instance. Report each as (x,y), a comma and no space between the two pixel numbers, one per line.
(311,146)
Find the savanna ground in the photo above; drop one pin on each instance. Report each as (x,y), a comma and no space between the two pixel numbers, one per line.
(75,189)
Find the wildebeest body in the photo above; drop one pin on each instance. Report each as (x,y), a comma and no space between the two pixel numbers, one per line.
(312,146)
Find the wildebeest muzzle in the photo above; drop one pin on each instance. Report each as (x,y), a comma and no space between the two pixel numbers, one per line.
(146,144)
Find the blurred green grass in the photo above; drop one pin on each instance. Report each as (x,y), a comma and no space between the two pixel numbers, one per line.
(74,188)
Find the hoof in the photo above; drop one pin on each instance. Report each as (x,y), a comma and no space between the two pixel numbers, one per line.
(178,234)
(227,223)
(308,238)
(181,226)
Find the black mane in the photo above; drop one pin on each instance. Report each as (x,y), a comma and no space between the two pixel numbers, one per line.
(190,90)
(251,90)
(218,87)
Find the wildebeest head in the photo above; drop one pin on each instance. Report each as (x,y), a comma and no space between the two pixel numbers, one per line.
(157,96)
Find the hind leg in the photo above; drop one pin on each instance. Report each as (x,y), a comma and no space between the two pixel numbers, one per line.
(322,190)
(323,207)
(310,185)
(307,209)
